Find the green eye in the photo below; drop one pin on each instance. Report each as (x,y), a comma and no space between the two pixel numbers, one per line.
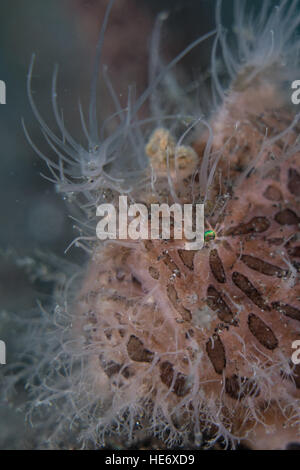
(209,235)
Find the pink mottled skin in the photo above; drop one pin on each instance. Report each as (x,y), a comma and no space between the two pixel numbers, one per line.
(205,338)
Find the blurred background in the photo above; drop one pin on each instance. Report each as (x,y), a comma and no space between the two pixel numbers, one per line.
(35,219)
